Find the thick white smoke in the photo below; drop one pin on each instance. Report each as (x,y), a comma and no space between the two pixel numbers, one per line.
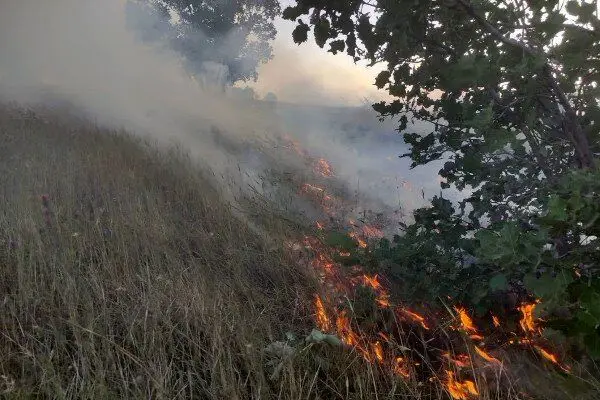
(83,51)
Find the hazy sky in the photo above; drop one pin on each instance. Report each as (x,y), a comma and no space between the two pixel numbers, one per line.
(308,74)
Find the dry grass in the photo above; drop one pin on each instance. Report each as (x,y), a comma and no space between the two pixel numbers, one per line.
(134,279)
(139,282)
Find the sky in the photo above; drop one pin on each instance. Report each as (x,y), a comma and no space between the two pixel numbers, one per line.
(308,74)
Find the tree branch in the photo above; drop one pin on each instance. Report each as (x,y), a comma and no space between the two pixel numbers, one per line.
(493,30)
(571,127)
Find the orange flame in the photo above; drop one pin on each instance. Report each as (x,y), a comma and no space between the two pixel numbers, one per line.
(415,317)
(528,320)
(345,330)
(378,350)
(361,242)
(372,232)
(486,356)
(323,167)
(551,357)
(307,187)
(383,300)
(460,390)
(323,321)
(372,281)
(460,360)
(496,321)
(466,321)
(400,367)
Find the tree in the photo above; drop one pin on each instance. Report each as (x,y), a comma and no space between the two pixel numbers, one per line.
(510,88)
(511,91)
(234,33)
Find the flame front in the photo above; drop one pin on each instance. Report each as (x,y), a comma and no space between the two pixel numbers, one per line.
(382,348)
(483,354)
(527,320)
(323,321)
(415,317)
(460,390)
(466,321)
(322,167)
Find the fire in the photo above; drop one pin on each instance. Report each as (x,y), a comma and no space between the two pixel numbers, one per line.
(415,317)
(361,243)
(383,300)
(376,347)
(486,356)
(378,351)
(460,360)
(400,367)
(323,168)
(345,330)
(551,357)
(528,320)
(323,321)
(307,187)
(460,390)
(383,297)
(372,281)
(547,355)
(466,321)
(372,232)
(495,321)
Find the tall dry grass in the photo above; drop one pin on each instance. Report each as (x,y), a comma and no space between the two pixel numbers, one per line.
(125,274)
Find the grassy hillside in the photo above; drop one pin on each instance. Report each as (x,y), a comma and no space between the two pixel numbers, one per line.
(123,274)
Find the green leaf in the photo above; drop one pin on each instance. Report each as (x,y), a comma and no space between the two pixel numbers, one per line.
(557,209)
(291,13)
(382,78)
(300,33)
(337,45)
(321,31)
(572,7)
(498,282)
(547,286)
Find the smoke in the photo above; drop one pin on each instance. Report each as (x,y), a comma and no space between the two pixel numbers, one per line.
(84,52)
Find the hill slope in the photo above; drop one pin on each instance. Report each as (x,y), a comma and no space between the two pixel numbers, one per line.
(124,273)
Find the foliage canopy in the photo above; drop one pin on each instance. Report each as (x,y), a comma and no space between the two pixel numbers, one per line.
(510,91)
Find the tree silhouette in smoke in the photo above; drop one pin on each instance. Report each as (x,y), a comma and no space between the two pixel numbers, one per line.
(233,34)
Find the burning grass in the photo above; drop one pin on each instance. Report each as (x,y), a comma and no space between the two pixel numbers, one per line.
(126,275)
